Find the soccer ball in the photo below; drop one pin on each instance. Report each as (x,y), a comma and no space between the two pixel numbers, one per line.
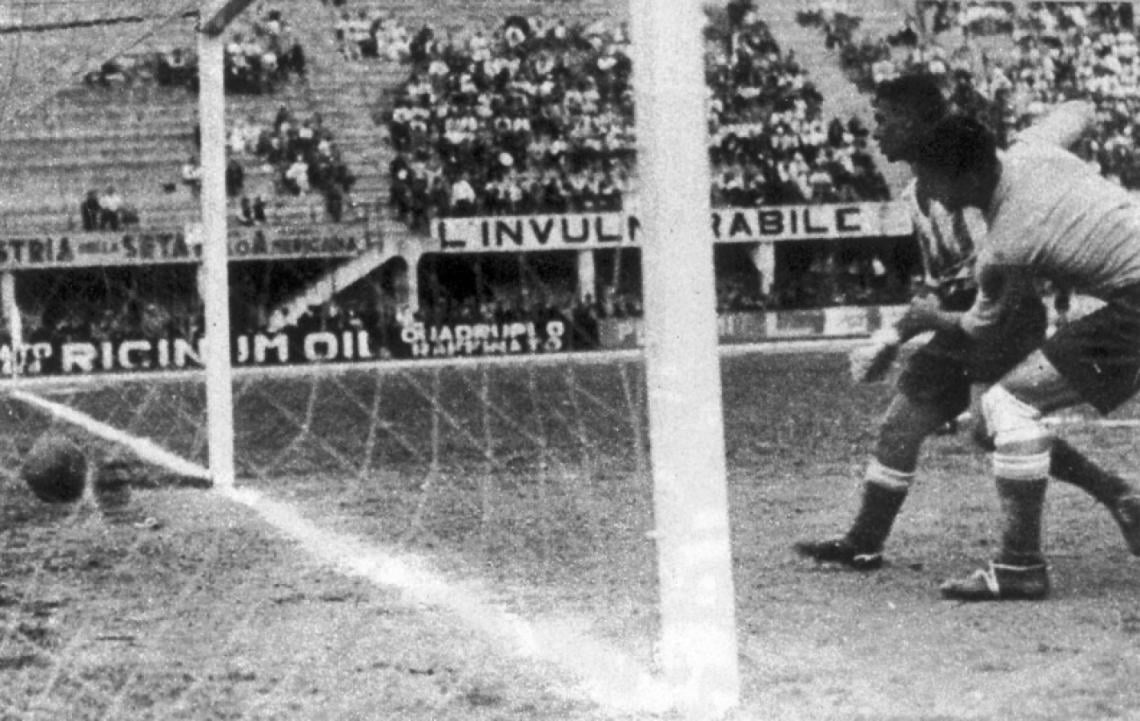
(55,469)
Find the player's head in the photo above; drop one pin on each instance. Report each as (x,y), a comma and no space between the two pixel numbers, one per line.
(906,108)
(957,163)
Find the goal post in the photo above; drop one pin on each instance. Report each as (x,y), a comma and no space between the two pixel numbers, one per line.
(216,16)
(686,425)
(215,289)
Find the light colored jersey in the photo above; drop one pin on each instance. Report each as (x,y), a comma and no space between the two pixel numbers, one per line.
(1055,217)
(947,241)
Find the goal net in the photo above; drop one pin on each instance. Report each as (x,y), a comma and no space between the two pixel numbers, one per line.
(49,46)
(401,511)
(510,503)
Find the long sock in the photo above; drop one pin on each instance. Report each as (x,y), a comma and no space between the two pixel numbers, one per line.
(877,512)
(1071,466)
(884,491)
(1022,503)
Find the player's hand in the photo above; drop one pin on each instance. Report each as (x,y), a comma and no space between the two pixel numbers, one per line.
(923,314)
(870,363)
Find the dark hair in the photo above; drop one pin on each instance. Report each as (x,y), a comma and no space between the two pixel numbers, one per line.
(919,92)
(958,145)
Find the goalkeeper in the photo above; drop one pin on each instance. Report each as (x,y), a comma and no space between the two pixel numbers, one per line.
(934,387)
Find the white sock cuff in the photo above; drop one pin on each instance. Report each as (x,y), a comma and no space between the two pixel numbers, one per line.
(1022,467)
(888,478)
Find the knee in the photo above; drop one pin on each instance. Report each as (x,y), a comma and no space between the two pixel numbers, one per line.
(903,430)
(1020,442)
(897,435)
(1010,421)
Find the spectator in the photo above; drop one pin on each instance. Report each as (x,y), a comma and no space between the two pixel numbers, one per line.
(192,174)
(111,205)
(235,178)
(334,202)
(296,177)
(176,67)
(462,197)
(245,216)
(90,212)
(259,210)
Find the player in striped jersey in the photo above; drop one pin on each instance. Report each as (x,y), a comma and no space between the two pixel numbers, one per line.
(1051,216)
(935,384)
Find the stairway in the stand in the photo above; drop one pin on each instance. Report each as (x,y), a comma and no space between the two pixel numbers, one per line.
(347,95)
(840,97)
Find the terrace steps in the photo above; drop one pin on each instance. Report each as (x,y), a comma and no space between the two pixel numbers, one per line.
(841,99)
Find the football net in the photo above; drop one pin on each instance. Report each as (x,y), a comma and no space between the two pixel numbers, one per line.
(503,504)
(49,46)
(530,477)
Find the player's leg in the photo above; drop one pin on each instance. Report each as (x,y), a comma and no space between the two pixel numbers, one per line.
(1069,465)
(1022,445)
(1096,360)
(1022,332)
(1118,495)
(1098,356)
(933,388)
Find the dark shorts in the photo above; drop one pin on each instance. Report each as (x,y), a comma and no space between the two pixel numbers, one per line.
(1099,354)
(941,371)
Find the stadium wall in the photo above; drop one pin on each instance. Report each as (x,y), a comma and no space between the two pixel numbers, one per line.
(761,228)
(760,326)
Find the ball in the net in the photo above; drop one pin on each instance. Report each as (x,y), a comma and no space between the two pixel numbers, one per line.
(55,469)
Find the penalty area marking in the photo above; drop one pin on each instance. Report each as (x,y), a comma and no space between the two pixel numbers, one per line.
(608,676)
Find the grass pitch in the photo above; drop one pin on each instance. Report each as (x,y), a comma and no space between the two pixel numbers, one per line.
(534,479)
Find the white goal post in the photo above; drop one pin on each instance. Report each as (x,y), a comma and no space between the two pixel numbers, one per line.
(686,427)
(686,423)
(215,291)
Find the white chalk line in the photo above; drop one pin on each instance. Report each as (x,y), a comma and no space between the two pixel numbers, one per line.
(604,674)
(1061,420)
(613,679)
(144,448)
(608,676)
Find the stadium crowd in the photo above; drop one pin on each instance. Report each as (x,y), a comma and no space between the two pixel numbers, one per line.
(302,153)
(261,52)
(769,143)
(372,34)
(106,210)
(524,118)
(1053,52)
(533,116)
(111,316)
(537,117)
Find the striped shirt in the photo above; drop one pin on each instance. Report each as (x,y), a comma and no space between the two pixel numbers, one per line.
(947,242)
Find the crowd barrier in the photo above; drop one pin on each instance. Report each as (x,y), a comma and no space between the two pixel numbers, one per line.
(761,326)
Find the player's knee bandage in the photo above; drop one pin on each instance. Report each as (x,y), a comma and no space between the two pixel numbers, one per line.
(888,478)
(1014,422)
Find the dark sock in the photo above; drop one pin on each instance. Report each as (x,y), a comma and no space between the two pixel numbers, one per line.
(877,512)
(1071,466)
(1022,504)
